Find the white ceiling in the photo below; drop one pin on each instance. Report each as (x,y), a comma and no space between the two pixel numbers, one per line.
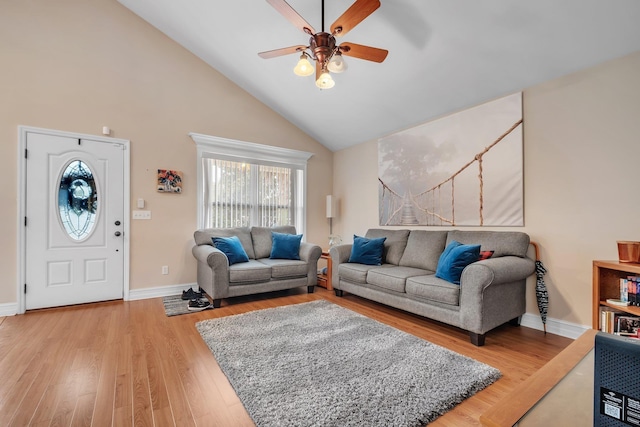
(444,55)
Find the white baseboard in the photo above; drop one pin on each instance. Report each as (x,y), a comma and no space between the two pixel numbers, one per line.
(9,309)
(160,291)
(554,326)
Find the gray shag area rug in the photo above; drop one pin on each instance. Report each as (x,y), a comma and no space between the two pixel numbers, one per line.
(319,364)
(174,305)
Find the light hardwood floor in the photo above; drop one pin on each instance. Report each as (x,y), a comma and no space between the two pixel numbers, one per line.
(126,363)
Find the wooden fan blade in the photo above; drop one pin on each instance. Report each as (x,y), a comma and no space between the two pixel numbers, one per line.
(283,51)
(364,52)
(288,12)
(353,16)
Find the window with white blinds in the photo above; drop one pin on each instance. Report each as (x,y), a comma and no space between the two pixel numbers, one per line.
(240,194)
(243,184)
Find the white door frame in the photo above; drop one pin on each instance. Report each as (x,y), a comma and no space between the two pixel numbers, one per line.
(22,209)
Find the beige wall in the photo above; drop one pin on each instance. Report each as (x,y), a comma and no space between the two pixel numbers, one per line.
(76,66)
(582,151)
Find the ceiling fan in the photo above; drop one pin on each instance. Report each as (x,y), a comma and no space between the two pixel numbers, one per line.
(322,47)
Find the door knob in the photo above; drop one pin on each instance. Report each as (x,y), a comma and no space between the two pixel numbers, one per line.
(117,233)
(117,222)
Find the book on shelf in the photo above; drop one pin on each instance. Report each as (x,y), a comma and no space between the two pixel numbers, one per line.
(633,290)
(607,319)
(630,290)
(617,302)
(619,322)
(624,289)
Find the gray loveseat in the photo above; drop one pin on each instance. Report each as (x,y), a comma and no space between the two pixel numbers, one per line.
(261,273)
(491,292)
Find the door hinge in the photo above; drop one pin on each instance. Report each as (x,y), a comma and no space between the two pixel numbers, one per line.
(25,288)
(79,141)
(26,153)
(25,221)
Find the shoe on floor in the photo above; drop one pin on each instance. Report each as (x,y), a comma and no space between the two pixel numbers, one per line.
(199,304)
(190,294)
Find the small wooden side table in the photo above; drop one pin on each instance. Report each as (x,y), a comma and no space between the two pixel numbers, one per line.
(324,280)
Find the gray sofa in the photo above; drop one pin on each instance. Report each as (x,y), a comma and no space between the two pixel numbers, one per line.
(491,292)
(261,273)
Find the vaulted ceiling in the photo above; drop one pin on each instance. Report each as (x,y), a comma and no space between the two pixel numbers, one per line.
(444,55)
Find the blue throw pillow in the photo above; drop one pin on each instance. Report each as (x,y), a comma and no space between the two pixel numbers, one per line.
(367,251)
(454,259)
(232,248)
(285,246)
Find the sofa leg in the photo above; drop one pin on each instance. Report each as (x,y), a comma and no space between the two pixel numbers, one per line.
(477,339)
(216,303)
(310,289)
(516,321)
(338,292)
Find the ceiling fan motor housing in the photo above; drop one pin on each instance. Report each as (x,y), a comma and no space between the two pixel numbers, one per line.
(323,46)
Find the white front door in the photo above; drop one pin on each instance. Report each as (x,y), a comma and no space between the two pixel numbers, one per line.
(74,225)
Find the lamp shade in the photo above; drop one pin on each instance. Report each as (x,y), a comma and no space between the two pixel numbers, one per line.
(304,67)
(337,64)
(332,207)
(325,81)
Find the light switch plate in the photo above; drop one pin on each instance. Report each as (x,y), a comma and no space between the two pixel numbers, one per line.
(141,215)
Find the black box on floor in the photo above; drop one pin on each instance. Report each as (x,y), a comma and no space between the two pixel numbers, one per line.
(616,381)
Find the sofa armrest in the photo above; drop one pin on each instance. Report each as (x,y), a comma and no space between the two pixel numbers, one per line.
(339,254)
(211,256)
(213,270)
(498,270)
(311,253)
(493,291)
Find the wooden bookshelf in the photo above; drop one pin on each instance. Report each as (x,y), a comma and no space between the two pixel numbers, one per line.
(606,284)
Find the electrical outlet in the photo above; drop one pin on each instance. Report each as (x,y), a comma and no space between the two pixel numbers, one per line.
(165,269)
(141,215)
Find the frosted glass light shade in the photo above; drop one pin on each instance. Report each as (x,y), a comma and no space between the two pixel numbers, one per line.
(304,67)
(337,64)
(325,81)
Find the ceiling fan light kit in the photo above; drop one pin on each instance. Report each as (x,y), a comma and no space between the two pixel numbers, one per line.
(322,47)
(325,81)
(304,67)
(337,64)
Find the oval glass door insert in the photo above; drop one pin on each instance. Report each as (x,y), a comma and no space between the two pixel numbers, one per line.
(78,200)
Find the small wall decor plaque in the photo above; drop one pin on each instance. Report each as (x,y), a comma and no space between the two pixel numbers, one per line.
(169,181)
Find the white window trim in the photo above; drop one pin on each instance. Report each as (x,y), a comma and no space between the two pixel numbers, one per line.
(231,149)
